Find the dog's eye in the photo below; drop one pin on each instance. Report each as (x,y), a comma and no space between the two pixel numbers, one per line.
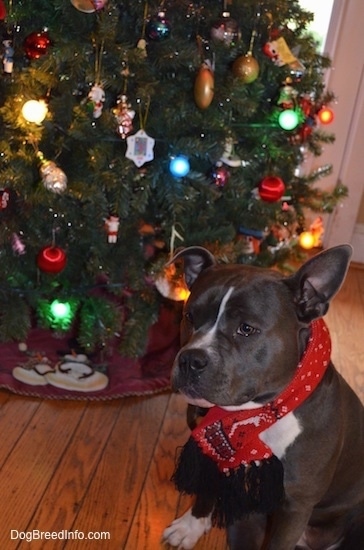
(188,317)
(247,330)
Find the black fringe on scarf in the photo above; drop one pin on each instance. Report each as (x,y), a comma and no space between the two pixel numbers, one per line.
(251,488)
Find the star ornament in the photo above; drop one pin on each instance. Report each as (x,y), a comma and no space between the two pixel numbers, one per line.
(140,148)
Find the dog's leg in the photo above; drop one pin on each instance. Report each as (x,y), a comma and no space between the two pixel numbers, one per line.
(185,531)
(248,533)
(287,526)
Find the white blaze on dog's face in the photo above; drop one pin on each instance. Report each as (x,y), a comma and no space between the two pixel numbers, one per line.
(231,337)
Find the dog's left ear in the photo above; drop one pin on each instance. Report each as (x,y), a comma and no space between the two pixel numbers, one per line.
(318,280)
(195,260)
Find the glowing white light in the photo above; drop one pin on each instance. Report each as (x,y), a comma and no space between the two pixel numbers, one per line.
(34,111)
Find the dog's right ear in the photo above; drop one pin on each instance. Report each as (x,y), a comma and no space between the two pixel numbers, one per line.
(318,280)
(195,260)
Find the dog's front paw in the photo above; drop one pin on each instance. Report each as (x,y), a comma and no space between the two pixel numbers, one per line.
(185,531)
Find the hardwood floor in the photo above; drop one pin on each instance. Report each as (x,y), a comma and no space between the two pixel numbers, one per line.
(105,467)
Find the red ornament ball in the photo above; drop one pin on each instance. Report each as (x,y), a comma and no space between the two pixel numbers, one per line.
(2,10)
(220,175)
(271,189)
(51,259)
(36,44)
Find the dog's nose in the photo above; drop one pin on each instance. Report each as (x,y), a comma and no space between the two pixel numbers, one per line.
(192,359)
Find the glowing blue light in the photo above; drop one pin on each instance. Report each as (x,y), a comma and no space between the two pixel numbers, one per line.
(179,166)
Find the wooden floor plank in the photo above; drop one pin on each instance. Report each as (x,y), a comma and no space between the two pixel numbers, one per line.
(115,489)
(159,500)
(66,490)
(26,473)
(15,415)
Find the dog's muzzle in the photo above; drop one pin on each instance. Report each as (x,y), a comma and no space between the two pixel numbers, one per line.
(192,361)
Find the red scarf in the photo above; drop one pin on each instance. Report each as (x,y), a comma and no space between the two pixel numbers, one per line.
(226,444)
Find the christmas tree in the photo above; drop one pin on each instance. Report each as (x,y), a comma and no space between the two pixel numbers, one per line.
(130,128)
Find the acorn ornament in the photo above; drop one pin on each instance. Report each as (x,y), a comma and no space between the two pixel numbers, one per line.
(204,86)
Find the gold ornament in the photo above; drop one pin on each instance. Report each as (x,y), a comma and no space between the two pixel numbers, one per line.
(246,68)
(86,6)
(204,86)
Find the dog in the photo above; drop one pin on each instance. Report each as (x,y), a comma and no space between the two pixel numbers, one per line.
(244,333)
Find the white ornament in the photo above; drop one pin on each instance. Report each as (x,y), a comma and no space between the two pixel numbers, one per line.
(96,97)
(140,148)
(112,227)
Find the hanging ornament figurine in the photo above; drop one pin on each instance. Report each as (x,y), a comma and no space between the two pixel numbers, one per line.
(96,98)
(8,55)
(168,283)
(228,157)
(140,146)
(4,198)
(287,95)
(142,43)
(280,53)
(17,245)
(124,115)
(112,224)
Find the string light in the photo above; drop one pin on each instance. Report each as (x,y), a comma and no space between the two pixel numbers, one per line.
(179,166)
(306,240)
(288,119)
(325,115)
(60,310)
(35,111)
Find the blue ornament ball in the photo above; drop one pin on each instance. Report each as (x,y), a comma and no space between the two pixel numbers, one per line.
(158,27)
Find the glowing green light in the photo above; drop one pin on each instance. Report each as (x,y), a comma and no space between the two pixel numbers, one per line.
(60,310)
(288,119)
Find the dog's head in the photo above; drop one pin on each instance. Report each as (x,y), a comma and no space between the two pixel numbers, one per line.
(244,328)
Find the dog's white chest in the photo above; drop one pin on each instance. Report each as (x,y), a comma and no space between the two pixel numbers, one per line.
(282,434)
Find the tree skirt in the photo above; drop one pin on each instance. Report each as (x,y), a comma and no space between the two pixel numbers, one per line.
(49,369)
